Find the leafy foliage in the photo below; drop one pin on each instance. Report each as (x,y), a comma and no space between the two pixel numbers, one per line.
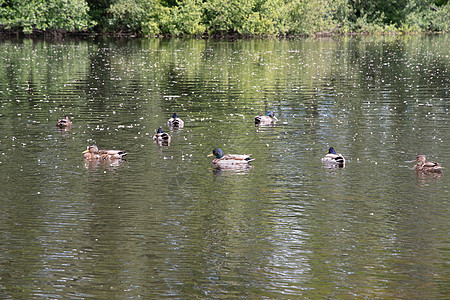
(69,15)
(184,19)
(225,17)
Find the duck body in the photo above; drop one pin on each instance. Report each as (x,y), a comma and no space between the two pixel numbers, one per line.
(161,136)
(426,167)
(334,159)
(93,153)
(267,119)
(175,122)
(229,160)
(63,123)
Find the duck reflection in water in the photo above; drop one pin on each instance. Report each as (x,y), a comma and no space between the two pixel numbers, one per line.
(242,169)
(333,160)
(104,164)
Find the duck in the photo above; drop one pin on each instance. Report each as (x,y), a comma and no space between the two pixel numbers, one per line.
(92,153)
(62,123)
(426,167)
(161,136)
(229,160)
(268,119)
(334,159)
(175,122)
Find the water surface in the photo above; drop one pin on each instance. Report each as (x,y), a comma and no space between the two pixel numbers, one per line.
(166,224)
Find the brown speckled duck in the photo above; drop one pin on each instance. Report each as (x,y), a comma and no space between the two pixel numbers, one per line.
(92,153)
(426,167)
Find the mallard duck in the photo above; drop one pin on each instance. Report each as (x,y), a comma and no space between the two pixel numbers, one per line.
(426,167)
(92,153)
(175,122)
(229,159)
(268,119)
(62,123)
(334,159)
(161,136)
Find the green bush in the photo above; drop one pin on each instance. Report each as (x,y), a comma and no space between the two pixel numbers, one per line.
(428,18)
(71,15)
(309,16)
(225,17)
(184,19)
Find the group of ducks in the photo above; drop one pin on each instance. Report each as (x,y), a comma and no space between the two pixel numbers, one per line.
(331,159)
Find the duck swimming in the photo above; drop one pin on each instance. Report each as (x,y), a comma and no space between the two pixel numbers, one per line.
(426,167)
(175,122)
(92,153)
(334,159)
(63,123)
(268,119)
(229,160)
(161,136)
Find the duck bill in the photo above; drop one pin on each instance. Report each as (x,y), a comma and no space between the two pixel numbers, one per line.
(211,154)
(86,151)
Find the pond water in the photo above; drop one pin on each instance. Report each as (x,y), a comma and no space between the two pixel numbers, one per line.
(165,223)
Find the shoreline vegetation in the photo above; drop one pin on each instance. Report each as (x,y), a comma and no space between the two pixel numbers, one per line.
(221,18)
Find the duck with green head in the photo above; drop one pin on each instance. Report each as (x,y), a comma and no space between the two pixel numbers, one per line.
(229,160)
(268,119)
(175,122)
(334,159)
(161,137)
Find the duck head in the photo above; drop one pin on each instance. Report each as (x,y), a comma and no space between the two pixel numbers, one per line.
(420,158)
(175,115)
(331,151)
(217,152)
(91,149)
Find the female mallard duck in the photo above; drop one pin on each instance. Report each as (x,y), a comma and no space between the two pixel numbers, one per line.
(63,123)
(92,153)
(334,159)
(268,119)
(161,136)
(228,160)
(426,167)
(175,122)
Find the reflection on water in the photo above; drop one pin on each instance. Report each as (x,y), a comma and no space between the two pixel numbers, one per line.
(165,223)
(103,164)
(236,169)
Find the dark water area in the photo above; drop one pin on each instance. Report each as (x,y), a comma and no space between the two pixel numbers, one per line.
(165,223)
